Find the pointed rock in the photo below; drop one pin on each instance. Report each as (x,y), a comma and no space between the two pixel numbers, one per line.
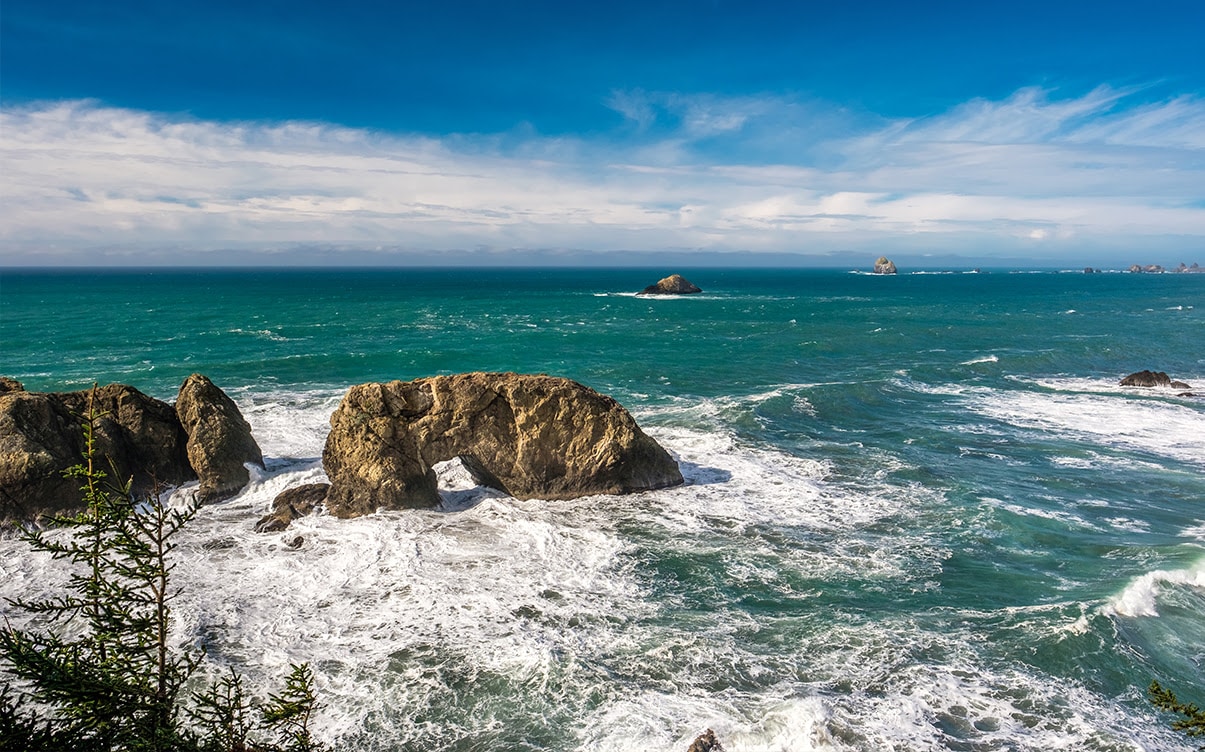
(219,444)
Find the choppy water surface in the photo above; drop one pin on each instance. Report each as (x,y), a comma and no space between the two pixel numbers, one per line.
(919,514)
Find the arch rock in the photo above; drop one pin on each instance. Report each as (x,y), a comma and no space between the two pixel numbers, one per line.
(533,437)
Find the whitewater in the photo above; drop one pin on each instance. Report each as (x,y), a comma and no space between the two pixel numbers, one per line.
(919,512)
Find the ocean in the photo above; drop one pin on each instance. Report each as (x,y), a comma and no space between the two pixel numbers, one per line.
(919,511)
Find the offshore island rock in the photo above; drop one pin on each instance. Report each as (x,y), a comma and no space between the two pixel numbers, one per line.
(532,437)
(137,438)
(674,284)
(220,445)
(1152,379)
(884,265)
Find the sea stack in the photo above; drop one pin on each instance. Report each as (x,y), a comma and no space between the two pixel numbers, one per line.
(674,284)
(884,265)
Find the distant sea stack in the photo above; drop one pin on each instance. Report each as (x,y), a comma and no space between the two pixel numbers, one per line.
(1152,379)
(884,266)
(1157,269)
(674,284)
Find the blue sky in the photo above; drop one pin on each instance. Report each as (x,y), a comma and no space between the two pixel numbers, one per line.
(217,132)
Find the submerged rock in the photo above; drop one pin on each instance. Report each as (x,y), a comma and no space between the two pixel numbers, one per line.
(533,437)
(220,445)
(884,265)
(1152,379)
(674,284)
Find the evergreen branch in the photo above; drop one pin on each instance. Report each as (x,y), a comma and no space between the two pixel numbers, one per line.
(289,712)
(1193,722)
(115,682)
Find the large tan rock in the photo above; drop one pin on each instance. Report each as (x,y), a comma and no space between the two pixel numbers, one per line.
(530,436)
(884,265)
(219,445)
(137,438)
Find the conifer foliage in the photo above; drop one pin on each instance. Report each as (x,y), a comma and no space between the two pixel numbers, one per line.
(103,675)
(1193,721)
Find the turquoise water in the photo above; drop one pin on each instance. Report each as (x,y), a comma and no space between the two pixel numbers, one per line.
(920,513)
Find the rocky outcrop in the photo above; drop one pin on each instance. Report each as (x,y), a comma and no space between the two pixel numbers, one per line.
(533,437)
(674,284)
(1152,379)
(291,504)
(138,437)
(706,742)
(9,385)
(220,445)
(884,265)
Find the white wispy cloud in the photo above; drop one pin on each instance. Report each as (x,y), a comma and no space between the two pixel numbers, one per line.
(1028,172)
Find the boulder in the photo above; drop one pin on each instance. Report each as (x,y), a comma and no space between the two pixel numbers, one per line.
(533,437)
(1152,379)
(219,445)
(884,265)
(674,284)
(291,504)
(137,438)
(706,742)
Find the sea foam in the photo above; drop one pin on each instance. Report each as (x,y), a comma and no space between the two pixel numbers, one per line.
(497,623)
(1163,428)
